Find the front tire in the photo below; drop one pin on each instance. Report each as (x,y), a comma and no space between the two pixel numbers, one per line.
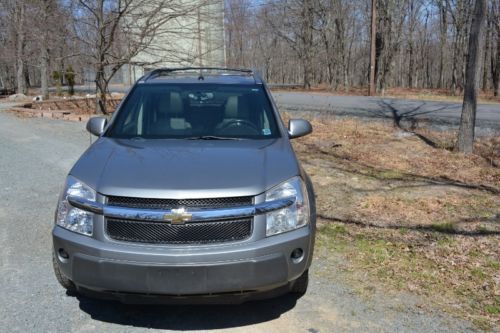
(61,278)
(300,285)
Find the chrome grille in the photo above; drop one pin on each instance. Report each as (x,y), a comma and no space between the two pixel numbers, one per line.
(189,233)
(149,203)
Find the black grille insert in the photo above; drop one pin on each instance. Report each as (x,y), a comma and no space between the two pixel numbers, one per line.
(189,233)
(148,203)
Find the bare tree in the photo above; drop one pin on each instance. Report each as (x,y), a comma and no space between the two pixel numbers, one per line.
(373,47)
(29,32)
(45,19)
(18,16)
(472,78)
(419,44)
(495,54)
(443,31)
(7,51)
(114,32)
(293,22)
(238,19)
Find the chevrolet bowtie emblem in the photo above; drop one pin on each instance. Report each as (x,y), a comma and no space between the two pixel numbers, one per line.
(178,216)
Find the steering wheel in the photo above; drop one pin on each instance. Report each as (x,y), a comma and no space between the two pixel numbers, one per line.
(240,124)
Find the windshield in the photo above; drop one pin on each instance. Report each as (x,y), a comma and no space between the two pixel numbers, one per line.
(181,111)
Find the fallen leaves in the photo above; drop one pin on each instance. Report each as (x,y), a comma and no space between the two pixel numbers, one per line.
(407,215)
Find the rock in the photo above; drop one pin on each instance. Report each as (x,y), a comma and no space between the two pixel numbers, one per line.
(116,95)
(17,97)
(401,134)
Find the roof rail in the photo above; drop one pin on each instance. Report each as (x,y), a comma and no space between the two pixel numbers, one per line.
(160,71)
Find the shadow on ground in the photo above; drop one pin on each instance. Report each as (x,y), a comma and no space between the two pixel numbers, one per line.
(187,317)
(445,229)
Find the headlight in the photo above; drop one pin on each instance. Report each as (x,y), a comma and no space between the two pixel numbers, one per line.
(73,218)
(292,217)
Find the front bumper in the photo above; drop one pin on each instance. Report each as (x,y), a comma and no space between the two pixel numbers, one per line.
(243,267)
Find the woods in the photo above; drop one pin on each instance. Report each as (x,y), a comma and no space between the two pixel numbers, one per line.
(96,38)
(419,43)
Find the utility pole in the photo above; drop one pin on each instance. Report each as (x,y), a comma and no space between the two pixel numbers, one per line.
(371,91)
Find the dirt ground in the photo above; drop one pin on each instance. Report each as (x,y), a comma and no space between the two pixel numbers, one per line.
(40,152)
(399,210)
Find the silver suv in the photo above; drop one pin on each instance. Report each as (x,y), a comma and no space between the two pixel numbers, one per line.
(192,190)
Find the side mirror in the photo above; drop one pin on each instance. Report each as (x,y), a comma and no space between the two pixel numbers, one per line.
(298,128)
(96,125)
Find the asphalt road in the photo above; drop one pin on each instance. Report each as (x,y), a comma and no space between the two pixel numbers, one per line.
(439,115)
(35,156)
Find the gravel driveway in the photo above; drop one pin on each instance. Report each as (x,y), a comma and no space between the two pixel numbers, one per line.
(35,156)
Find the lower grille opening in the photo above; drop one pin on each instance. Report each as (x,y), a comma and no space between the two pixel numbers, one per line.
(224,293)
(189,233)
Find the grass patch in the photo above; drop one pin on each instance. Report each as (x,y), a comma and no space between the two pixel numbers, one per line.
(443,227)
(442,268)
(494,264)
(406,216)
(492,309)
(482,323)
(447,241)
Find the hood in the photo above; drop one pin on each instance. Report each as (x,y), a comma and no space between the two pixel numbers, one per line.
(179,169)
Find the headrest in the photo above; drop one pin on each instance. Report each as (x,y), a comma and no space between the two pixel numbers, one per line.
(162,104)
(176,106)
(237,108)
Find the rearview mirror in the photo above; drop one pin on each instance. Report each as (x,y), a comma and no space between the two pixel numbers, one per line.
(96,125)
(298,128)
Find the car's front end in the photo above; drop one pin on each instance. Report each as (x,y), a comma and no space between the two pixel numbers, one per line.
(186,219)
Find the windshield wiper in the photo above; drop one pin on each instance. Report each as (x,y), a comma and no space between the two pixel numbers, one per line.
(210,137)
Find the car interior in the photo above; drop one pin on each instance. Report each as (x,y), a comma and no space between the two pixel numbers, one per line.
(184,113)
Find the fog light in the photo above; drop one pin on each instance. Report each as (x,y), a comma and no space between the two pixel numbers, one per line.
(297,255)
(63,254)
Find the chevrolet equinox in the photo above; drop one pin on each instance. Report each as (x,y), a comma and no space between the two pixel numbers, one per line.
(192,191)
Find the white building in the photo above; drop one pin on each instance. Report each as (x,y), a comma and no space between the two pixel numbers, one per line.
(196,39)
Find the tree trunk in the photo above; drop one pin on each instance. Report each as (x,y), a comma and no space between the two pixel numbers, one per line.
(454,69)
(495,70)
(307,72)
(101,91)
(484,84)
(442,37)
(44,53)
(44,75)
(411,69)
(472,77)
(495,62)
(329,58)
(307,26)
(20,75)
(373,60)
